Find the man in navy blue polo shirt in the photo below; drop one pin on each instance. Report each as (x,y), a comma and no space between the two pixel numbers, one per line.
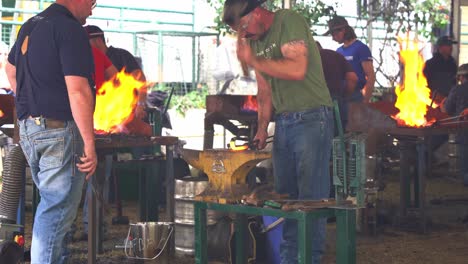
(50,69)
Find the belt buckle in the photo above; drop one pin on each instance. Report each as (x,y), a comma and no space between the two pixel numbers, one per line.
(37,121)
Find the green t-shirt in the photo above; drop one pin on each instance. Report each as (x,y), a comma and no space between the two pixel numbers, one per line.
(291,96)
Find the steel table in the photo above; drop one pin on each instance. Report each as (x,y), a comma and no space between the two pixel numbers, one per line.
(109,145)
(345,222)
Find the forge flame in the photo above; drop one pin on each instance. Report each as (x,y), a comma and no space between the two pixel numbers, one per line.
(250,104)
(115,103)
(413,95)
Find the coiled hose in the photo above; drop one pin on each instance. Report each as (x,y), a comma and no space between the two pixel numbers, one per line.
(13,184)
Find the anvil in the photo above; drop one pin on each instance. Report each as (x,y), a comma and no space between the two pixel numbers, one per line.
(226,169)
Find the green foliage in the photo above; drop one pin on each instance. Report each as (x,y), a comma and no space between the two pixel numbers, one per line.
(313,10)
(421,16)
(194,99)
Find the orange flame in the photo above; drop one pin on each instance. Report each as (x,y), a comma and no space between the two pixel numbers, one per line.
(115,103)
(1,113)
(413,95)
(250,104)
(232,146)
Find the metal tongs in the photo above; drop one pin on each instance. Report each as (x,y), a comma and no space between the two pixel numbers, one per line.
(454,120)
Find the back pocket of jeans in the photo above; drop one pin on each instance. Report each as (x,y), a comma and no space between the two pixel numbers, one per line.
(51,152)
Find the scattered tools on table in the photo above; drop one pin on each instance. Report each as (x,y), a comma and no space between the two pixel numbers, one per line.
(263,197)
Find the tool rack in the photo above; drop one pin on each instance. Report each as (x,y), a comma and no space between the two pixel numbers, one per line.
(345,230)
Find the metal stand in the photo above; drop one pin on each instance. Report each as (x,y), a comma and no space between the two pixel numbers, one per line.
(106,146)
(345,222)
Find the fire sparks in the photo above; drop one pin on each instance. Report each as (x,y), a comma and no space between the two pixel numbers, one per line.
(234,147)
(413,95)
(250,104)
(115,103)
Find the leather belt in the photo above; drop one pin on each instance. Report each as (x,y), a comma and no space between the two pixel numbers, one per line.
(48,122)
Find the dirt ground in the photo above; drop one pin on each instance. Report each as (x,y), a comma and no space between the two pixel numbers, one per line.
(446,241)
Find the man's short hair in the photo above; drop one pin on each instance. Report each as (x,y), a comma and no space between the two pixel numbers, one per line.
(95,32)
(235,9)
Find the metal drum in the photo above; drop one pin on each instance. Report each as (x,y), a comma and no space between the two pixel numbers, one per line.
(453,156)
(185,191)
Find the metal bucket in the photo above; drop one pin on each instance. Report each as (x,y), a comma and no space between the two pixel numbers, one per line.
(185,191)
(149,241)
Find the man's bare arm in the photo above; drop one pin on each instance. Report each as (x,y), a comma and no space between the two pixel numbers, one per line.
(293,65)
(351,81)
(110,72)
(265,109)
(11,75)
(368,68)
(82,106)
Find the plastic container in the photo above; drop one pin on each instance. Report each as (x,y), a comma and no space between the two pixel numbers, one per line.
(273,239)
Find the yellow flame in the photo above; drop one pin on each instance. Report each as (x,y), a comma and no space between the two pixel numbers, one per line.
(413,95)
(1,113)
(115,103)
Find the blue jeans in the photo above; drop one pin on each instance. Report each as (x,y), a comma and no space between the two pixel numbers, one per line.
(462,140)
(51,156)
(301,154)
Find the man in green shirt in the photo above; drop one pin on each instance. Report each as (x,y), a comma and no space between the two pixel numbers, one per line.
(285,57)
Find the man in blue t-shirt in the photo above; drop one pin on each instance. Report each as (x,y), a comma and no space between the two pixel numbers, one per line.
(358,54)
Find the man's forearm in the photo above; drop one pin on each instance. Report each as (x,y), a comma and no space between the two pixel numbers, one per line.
(82,106)
(265,106)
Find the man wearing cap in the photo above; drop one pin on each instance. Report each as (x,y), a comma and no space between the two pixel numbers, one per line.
(441,69)
(358,54)
(290,79)
(50,69)
(455,104)
(121,58)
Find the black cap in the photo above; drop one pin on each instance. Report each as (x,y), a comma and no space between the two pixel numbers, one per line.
(235,9)
(446,40)
(337,22)
(463,69)
(94,31)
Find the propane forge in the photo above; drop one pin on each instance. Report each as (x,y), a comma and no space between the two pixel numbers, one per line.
(227,171)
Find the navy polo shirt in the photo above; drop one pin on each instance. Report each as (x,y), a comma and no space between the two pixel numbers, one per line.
(50,46)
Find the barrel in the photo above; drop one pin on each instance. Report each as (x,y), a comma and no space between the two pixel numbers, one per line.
(454,156)
(185,191)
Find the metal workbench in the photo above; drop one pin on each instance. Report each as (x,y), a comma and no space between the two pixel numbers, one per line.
(345,230)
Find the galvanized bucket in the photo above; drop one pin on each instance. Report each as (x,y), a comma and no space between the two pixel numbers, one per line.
(149,241)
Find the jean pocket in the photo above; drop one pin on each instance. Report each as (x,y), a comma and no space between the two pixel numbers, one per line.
(51,152)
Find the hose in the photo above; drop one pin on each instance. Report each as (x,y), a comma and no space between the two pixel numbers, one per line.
(13,183)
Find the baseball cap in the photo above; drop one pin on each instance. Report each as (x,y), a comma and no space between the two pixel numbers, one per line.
(337,22)
(235,9)
(94,31)
(446,40)
(463,69)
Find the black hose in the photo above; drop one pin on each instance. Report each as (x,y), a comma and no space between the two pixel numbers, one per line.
(13,184)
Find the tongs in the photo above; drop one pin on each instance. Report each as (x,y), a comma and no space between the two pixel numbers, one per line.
(454,120)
